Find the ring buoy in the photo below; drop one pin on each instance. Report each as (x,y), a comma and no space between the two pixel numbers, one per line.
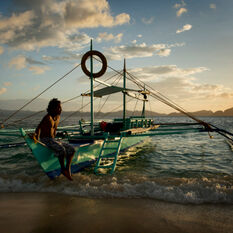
(102,58)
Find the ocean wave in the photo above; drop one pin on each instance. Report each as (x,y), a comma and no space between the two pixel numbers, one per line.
(176,190)
(180,169)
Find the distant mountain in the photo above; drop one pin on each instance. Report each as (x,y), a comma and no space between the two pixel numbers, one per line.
(7,107)
(37,104)
(86,115)
(227,112)
(198,113)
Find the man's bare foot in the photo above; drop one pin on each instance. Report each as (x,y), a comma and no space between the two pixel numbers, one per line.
(67,174)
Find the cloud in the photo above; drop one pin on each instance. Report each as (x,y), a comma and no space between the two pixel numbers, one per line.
(7,84)
(107,37)
(187,91)
(139,36)
(164,52)
(226,95)
(17,21)
(2,90)
(36,88)
(139,50)
(1,50)
(90,14)
(213,6)
(180,8)
(148,20)
(81,38)
(154,73)
(180,84)
(212,91)
(181,11)
(41,23)
(33,62)
(186,27)
(20,62)
(38,69)
(68,57)
(179,5)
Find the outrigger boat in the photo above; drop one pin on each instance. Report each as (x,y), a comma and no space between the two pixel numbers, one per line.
(100,143)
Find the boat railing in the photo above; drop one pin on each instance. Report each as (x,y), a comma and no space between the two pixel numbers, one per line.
(135,122)
(85,126)
(138,123)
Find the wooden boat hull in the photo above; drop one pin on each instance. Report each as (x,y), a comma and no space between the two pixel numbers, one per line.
(85,155)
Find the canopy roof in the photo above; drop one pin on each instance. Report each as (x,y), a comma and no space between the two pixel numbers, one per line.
(109,90)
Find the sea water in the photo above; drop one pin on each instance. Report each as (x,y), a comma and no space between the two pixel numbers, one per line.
(188,168)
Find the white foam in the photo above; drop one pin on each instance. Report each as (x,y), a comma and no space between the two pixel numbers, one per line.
(179,190)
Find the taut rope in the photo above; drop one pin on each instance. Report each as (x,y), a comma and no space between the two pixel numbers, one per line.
(14,113)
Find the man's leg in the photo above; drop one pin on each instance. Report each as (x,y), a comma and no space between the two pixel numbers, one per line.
(69,155)
(60,152)
(61,161)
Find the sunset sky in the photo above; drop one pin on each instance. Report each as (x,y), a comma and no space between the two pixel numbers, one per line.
(183,49)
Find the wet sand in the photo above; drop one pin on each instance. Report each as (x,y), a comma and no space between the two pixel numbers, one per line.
(51,212)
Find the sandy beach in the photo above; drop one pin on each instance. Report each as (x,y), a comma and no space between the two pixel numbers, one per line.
(51,212)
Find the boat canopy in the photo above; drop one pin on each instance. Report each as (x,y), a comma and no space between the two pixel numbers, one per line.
(109,90)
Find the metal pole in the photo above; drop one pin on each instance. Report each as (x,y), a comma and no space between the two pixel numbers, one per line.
(92,94)
(124,95)
(144,104)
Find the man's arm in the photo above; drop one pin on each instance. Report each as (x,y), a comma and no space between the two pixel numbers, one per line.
(37,132)
(55,126)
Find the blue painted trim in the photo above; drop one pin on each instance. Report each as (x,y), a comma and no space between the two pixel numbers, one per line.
(74,169)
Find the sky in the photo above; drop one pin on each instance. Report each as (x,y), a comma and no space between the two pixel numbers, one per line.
(181,48)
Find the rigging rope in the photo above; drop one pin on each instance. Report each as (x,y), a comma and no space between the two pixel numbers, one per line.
(34,114)
(158,93)
(97,114)
(64,102)
(14,113)
(155,94)
(82,108)
(25,118)
(82,97)
(150,105)
(116,108)
(162,98)
(99,107)
(135,106)
(119,72)
(73,98)
(74,112)
(82,102)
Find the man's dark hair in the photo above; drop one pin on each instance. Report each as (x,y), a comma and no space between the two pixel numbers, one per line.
(53,103)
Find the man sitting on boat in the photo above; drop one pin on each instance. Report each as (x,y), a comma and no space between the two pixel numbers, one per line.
(46,131)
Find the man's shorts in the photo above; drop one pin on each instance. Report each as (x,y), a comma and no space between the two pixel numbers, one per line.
(61,149)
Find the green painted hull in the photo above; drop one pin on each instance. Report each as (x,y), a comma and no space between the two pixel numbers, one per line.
(85,155)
